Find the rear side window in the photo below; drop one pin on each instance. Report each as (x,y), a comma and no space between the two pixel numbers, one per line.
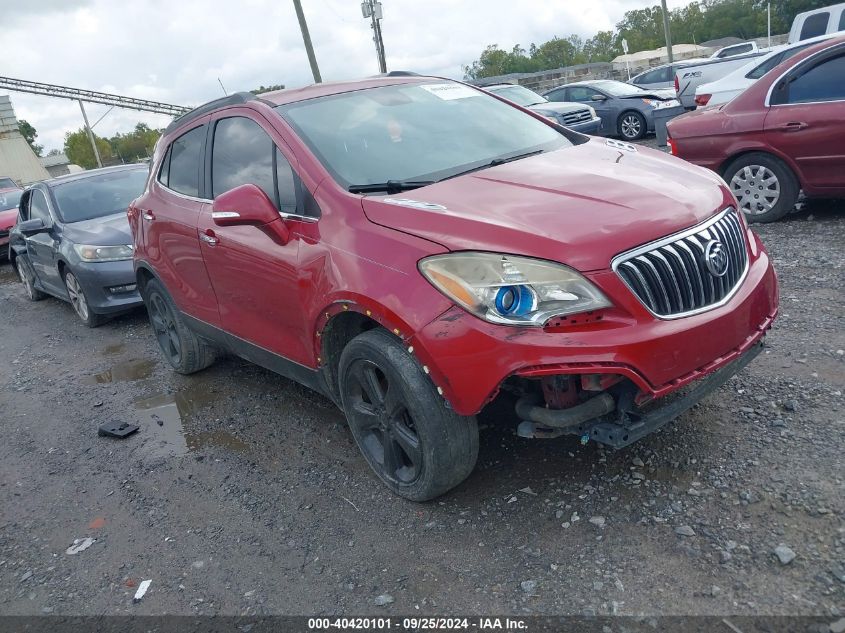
(842,21)
(822,82)
(243,153)
(556,95)
(183,163)
(815,25)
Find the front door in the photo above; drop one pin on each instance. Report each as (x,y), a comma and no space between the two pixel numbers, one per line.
(805,121)
(41,247)
(255,276)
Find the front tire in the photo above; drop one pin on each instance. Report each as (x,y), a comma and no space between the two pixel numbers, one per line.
(79,301)
(27,277)
(185,351)
(764,186)
(409,436)
(632,126)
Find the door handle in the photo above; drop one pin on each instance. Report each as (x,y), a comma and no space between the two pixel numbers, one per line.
(793,126)
(209,238)
(148,216)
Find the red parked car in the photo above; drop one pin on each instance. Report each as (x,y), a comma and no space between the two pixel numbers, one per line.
(9,200)
(782,135)
(412,247)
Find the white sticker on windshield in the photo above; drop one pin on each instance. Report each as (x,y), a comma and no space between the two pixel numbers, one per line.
(447,92)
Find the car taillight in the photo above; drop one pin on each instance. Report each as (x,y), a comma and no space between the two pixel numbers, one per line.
(677,85)
(702,100)
(673,148)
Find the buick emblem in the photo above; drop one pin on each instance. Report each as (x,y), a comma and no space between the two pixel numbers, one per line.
(716,258)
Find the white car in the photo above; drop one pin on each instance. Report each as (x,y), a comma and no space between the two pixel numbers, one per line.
(724,89)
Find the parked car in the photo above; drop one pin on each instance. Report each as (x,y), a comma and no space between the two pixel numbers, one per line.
(411,247)
(732,84)
(688,79)
(576,116)
(73,241)
(735,49)
(9,200)
(661,77)
(624,109)
(8,183)
(782,135)
(817,22)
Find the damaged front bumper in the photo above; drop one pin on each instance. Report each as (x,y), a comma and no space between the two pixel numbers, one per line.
(620,424)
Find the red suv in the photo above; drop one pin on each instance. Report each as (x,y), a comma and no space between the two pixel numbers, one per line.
(412,247)
(782,135)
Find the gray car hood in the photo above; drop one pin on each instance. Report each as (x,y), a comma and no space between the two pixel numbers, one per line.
(557,107)
(109,230)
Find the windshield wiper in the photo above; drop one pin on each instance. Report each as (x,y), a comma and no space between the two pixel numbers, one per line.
(496,162)
(391,186)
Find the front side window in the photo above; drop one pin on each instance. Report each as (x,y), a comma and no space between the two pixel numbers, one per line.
(822,82)
(38,209)
(815,25)
(99,196)
(415,132)
(243,153)
(557,95)
(581,94)
(183,163)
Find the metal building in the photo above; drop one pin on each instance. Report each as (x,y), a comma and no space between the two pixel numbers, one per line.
(17,160)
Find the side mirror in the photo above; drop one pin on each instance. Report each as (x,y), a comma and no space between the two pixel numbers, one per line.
(598,97)
(31,227)
(248,204)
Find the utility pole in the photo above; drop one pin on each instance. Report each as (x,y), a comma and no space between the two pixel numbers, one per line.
(90,135)
(372,9)
(769,21)
(306,38)
(667,31)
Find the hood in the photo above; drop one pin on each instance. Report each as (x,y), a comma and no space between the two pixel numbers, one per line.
(110,230)
(7,219)
(558,107)
(580,205)
(663,95)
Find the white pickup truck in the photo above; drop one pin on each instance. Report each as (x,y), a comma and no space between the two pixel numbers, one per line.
(689,78)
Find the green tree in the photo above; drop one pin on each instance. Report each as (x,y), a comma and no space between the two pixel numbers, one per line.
(29,133)
(78,148)
(602,47)
(135,145)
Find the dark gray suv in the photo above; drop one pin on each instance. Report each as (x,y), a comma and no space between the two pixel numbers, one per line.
(72,241)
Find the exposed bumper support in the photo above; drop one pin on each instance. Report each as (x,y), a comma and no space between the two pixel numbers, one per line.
(619,435)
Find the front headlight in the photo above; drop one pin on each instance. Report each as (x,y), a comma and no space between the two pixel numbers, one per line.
(592,111)
(103,253)
(511,290)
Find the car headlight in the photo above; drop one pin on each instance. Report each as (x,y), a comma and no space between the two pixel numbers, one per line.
(592,111)
(103,253)
(650,102)
(511,290)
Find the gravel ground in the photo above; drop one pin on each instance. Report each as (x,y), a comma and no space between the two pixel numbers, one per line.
(243,493)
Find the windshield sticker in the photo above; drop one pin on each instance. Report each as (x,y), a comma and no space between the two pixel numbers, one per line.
(447,92)
(416,204)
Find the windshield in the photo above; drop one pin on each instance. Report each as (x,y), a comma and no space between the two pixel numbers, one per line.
(520,95)
(414,132)
(98,196)
(10,199)
(617,88)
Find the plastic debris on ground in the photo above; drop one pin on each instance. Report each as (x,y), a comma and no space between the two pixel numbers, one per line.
(80,545)
(116,429)
(142,589)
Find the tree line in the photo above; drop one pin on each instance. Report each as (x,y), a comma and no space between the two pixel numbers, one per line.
(696,22)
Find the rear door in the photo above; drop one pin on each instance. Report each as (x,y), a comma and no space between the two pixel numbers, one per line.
(255,276)
(805,120)
(169,212)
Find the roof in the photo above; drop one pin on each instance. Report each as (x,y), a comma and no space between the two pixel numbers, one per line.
(83,175)
(659,53)
(721,42)
(54,159)
(292,95)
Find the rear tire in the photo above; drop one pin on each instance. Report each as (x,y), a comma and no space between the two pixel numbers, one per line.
(185,351)
(764,186)
(413,441)
(27,277)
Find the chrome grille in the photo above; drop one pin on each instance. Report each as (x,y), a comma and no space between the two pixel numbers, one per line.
(577,116)
(672,278)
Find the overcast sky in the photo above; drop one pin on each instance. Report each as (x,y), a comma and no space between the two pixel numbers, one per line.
(175,50)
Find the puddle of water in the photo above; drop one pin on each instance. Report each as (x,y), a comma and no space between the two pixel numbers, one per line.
(113,350)
(130,370)
(165,422)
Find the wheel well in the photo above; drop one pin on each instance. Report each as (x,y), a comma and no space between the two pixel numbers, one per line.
(337,334)
(143,277)
(62,266)
(731,159)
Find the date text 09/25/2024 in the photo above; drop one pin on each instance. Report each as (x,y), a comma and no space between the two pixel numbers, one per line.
(417,624)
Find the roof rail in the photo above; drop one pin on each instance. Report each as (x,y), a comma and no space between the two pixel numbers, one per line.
(232,99)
